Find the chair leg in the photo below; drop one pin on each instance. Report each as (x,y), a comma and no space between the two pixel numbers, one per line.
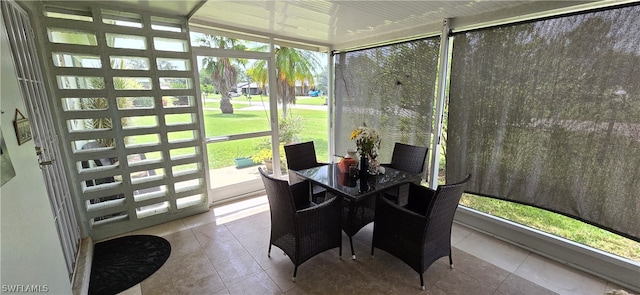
(450,261)
(295,271)
(422,282)
(353,253)
(340,250)
(269,252)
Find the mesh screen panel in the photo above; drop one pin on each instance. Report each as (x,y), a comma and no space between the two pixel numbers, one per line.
(390,88)
(548,114)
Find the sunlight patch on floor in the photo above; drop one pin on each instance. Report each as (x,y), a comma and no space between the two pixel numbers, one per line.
(237,210)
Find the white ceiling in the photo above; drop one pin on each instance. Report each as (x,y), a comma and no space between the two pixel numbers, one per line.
(348,24)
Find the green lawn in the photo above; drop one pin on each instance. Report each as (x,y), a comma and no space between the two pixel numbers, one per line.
(556,224)
(241,121)
(307,100)
(222,154)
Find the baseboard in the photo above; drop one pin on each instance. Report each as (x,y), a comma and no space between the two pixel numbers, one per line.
(82,270)
(621,271)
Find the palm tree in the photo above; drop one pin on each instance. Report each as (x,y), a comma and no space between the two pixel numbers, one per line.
(223,70)
(259,75)
(291,65)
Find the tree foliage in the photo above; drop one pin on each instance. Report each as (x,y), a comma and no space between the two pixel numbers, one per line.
(222,70)
(291,65)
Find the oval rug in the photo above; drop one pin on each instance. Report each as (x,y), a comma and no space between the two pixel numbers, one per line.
(121,263)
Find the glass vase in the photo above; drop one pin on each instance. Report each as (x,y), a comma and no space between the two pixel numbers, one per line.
(373,166)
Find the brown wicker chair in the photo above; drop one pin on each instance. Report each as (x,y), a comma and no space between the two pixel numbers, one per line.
(420,232)
(408,158)
(299,227)
(303,156)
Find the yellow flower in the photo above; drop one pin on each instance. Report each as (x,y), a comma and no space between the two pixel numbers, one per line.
(367,141)
(355,133)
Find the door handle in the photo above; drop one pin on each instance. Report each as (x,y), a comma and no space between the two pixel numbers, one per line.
(45,163)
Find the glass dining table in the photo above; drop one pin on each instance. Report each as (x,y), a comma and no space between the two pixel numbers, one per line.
(359,193)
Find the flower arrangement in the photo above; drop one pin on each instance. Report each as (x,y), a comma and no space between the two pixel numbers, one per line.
(367,141)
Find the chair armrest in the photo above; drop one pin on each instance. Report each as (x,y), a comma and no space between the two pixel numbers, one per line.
(324,206)
(387,206)
(294,177)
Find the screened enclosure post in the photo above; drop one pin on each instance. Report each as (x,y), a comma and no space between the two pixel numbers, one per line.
(273,107)
(331,105)
(442,76)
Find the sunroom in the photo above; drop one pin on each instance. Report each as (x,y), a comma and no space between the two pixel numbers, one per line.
(538,100)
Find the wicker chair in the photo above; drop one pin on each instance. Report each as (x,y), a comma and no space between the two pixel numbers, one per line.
(303,156)
(407,158)
(420,232)
(299,227)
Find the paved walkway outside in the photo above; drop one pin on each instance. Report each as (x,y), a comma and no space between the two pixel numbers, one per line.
(257,105)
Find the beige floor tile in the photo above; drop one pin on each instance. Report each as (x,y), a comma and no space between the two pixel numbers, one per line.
(199,219)
(257,283)
(227,254)
(516,285)
(193,266)
(159,288)
(249,225)
(458,282)
(208,284)
(268,261)
(500,253)
(281,274)
(479,269)
(237,270)
(182,243)
(211,232)
(135,290)
(255,240)
(162,229)
(221,252)
(458,233)
(559,278)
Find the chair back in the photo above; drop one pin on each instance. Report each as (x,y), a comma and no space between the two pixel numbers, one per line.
(442,208)
(408,158)
(301,155)
(281,203)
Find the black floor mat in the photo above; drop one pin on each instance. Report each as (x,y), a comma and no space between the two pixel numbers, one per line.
(121,263)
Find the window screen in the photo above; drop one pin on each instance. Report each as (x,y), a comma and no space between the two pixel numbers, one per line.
(548,114)
(390,88)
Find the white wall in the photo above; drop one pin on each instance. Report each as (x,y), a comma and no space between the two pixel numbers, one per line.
(30,251)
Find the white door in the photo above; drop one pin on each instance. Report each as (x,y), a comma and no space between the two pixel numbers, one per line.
(44,134)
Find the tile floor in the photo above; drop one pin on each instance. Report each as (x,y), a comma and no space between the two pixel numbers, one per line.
(224,251)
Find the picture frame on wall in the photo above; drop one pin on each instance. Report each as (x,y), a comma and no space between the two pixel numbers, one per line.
(22,127)
(6,166)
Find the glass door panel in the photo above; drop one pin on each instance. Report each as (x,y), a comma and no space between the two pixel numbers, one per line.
(236,125)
